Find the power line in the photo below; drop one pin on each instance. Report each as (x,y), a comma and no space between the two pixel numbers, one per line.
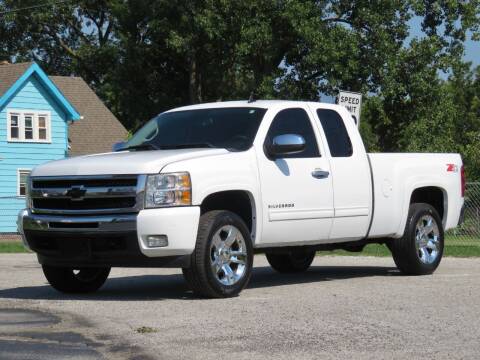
(33,7)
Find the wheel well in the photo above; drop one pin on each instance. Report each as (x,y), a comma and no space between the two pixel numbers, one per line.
(431,195)
(237,201)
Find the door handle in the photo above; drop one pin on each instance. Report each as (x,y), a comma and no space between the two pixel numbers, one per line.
(320,174)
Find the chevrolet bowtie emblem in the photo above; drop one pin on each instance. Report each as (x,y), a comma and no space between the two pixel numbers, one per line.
(76,193)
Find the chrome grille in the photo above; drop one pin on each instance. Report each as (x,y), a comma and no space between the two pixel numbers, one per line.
(87,194)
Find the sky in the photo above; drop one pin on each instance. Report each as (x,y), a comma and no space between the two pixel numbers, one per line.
(472,48)
(472,52)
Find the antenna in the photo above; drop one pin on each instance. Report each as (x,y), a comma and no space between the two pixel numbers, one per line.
(252,97)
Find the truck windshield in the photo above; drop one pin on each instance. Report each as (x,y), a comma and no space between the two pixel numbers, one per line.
(230,128)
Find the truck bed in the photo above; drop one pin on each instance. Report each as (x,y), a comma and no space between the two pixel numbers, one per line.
(395,175)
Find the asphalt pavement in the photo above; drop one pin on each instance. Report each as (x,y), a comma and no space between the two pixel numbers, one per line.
(342,308)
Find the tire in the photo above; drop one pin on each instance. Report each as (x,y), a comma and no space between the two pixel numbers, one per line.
(221,264)
(75,281)
(293,262)
(420,250)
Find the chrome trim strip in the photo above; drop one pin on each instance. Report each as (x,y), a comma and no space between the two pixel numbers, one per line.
(85,212)
(110,223)
(84,177)
(90,192)
(141,186)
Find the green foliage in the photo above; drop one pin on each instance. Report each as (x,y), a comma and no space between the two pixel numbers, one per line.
(464,86)
(145,56)
(12,247)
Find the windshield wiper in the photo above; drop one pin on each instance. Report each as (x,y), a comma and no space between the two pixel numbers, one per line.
(188,146)
(144,146)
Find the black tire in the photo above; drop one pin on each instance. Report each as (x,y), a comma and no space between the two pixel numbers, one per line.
(404,250)
(200,275)
(75,281)
(292,262)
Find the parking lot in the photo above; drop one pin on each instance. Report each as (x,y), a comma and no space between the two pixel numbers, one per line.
(343,307)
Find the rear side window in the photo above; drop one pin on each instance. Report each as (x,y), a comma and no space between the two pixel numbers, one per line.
(336,133)
(295,121)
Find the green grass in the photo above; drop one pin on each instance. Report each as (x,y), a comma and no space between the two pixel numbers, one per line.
(459,246)
(369,250)
(12,247)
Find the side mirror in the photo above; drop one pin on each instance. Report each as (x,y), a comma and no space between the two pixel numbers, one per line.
(286,144)
(119,146)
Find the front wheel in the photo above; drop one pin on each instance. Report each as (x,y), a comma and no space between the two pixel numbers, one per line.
(222,262)
(72,280)
(291,262)
(420,250)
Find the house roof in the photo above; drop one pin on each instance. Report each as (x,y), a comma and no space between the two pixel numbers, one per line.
(9,73)
(98,128)
(13,76)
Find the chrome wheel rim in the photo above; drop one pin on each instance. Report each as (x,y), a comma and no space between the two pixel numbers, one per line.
(228,255)
(427,239)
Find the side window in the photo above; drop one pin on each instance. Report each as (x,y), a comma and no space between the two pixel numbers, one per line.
(295,121)
(14,130)
(42,127)
(29,126)
(22,178)
(336,133)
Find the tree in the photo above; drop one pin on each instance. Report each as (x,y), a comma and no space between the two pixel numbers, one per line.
(145,56)
(464,87)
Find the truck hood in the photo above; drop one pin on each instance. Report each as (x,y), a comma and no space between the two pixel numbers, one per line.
(124,162)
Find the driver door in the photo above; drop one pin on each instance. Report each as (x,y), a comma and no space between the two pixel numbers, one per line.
(297,191)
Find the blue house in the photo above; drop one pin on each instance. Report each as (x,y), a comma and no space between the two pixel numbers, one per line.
(34,120)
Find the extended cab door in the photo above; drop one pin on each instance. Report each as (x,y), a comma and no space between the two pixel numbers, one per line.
(296,189)
(352,187)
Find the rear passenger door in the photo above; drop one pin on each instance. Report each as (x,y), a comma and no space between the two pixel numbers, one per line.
(352,193)
(297,202)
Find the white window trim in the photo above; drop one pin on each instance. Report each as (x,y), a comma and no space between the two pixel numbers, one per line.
(21,125)
(19,171)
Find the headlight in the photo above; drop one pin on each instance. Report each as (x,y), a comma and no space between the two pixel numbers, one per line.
(173,189)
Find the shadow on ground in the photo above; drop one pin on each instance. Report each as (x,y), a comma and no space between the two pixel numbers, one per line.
(158,287)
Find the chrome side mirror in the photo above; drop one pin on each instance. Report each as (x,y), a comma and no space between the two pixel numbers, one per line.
(286,144)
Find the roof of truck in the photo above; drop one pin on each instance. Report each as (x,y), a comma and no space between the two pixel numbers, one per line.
(244,103)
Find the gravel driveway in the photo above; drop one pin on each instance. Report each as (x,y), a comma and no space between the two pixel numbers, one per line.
(343,307)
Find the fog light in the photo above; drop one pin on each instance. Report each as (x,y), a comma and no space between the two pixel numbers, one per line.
(154,241)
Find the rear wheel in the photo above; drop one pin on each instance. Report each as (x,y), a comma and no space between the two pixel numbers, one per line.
(221,264)
(72,280)
(291,262)
(420,250)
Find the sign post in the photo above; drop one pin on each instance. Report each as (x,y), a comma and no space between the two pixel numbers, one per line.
(353,102)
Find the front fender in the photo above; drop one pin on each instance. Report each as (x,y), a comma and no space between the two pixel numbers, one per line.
(235,171)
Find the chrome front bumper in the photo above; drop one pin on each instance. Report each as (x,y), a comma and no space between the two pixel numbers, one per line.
(111,240)
(100,223)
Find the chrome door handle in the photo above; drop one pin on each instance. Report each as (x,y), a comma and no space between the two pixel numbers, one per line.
(320,174)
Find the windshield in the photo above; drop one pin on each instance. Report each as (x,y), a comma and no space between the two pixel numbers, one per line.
(230,128)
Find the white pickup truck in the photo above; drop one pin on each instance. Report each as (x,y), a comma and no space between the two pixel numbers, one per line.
(203,187)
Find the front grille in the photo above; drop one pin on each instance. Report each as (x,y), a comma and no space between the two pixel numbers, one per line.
(79,244)
(67,183)
(63,225)
(87,195)
(85,204)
